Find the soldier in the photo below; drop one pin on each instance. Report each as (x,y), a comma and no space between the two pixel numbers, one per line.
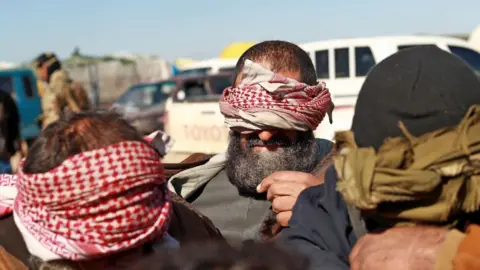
(59,93)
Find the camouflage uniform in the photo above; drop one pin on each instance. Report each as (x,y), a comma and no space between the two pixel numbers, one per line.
(59,93)
(41,87)
(53,98)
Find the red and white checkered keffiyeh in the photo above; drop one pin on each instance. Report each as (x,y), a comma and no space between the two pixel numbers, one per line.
(8,192)
(264,100)
(95,203)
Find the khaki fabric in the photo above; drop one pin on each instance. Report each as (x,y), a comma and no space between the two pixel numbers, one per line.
(40,88)
(53,98)
(428,179)
(62,94)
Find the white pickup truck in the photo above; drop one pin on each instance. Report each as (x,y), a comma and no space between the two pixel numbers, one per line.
(193,117)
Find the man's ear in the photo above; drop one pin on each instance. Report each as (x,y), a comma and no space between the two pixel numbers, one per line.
(237,78)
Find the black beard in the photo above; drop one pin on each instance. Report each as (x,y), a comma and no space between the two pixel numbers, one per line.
(246,168)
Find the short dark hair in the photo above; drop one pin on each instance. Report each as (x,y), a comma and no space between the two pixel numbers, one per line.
(75,133)
(50,60)
(282,56)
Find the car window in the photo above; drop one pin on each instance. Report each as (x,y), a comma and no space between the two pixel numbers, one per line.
(6,84)
(28,86)
(194,72)
(470,56)
(218,84)
(143,96)
(321,64)
(408,46)
(163,91)
(342,63)
(229,69)
(364,61)
(193,91)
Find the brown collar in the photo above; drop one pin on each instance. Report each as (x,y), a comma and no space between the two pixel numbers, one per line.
(194,160)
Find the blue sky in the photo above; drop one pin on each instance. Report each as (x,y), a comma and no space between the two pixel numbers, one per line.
(201,28)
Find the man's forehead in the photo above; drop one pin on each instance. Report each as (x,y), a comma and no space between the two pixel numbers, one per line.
(284,72)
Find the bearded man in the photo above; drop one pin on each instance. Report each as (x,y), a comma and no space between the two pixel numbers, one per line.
(272,109)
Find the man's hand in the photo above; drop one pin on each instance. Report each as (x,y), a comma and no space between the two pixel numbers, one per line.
(15,161)
(283,189)
(398,249)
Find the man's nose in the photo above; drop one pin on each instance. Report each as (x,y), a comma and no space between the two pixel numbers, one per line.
(265,135)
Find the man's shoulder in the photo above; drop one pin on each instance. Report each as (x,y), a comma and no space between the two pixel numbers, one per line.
(192,162)
(325,154)
(59,80)
(324,146)
(200,227)
(326,198)
(187,176)
(59,76)
(319,225)
(324,142)
(323,194)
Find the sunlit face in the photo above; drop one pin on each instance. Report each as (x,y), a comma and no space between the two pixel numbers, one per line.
(255,154)
(42,72)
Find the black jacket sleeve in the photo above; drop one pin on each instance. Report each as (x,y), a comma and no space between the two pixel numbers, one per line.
(320,227)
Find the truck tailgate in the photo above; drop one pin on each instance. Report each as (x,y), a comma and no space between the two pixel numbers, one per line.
(197,127)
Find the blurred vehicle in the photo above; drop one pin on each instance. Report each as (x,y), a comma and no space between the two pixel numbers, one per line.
(474,38)
(193,115)
(21,85)
(344,64)
(208,67)
(144,105)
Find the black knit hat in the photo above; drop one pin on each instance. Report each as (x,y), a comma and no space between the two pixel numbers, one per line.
(424,87)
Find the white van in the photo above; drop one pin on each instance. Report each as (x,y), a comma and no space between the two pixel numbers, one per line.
(208,67)
(342,64)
